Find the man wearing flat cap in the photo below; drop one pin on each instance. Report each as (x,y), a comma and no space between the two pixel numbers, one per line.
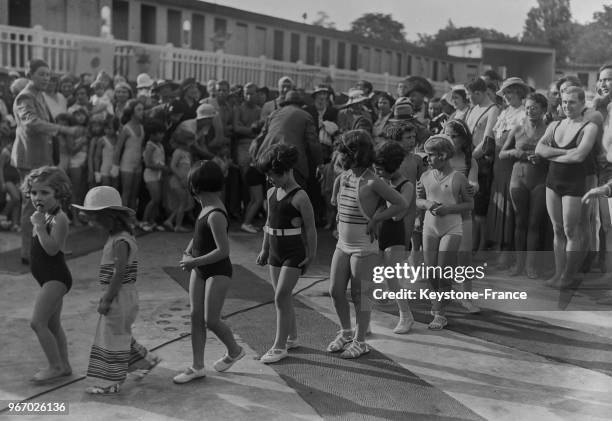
(292,125)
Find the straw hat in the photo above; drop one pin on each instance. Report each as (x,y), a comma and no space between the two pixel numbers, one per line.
(512,81)
(103,197)
(355,96)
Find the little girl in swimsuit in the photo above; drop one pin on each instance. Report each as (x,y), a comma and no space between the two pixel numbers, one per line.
(445,194)
(128,152)
(104,152)
(395,233)
(290,224)
(358,194)
(49,189)
(207,258)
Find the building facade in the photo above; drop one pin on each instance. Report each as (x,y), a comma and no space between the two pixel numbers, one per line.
(206,26)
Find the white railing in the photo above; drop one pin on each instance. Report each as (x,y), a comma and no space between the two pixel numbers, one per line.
(60,50)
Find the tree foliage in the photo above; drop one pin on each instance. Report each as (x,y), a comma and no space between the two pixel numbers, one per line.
(323,20)
(379,26)
(438,41)
(593,40)
(551,22)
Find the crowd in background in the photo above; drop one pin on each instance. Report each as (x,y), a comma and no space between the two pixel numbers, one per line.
(143,138)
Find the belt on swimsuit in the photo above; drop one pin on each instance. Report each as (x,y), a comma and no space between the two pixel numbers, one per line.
(282,232)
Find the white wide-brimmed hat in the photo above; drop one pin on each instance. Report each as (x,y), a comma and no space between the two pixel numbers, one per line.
(103,197)
(144,81)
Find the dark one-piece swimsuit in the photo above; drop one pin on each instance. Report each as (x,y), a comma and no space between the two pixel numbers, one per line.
(567,179)
(204,243)
(45,267)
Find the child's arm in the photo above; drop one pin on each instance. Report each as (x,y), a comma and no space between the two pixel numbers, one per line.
(262,257)
(189,248)
(148,158)
(3,162)
(218,225)
(123,135)
(466,199)
(121,251)
(91,150)
(335,190)
(408,193)
(421,201)
(303,205)
(398,203)
(97,159)
(52,242)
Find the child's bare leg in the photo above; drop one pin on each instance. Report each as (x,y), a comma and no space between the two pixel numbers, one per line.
(283,299)
(48,302)
(339,275)
(362,268)
(55,326)
(198,325)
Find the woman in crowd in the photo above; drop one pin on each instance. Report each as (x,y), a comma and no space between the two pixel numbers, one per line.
(460,101)
(55,101)
(123,93)
(500,216)
(385,104)
(527,183)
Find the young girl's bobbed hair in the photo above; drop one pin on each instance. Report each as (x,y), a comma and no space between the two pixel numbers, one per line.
(279,159)
(389,155)
(442,144)
(205,176)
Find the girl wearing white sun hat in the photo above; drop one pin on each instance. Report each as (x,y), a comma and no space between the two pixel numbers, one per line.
(115,351)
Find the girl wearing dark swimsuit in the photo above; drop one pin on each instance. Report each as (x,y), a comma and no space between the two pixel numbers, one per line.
(394,234)
(527,184)
(289,244)
(49,188)
(568,145)
(207,258)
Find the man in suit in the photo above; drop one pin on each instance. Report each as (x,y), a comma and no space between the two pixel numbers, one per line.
(292,125)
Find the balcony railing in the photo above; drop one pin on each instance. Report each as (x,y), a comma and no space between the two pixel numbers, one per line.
(73,53)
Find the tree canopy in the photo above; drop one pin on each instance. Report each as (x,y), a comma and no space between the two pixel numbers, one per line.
(551,22)
(379,26)
(438,41)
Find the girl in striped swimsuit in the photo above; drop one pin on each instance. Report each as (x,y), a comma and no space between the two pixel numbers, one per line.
(115,351)
(359,191)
